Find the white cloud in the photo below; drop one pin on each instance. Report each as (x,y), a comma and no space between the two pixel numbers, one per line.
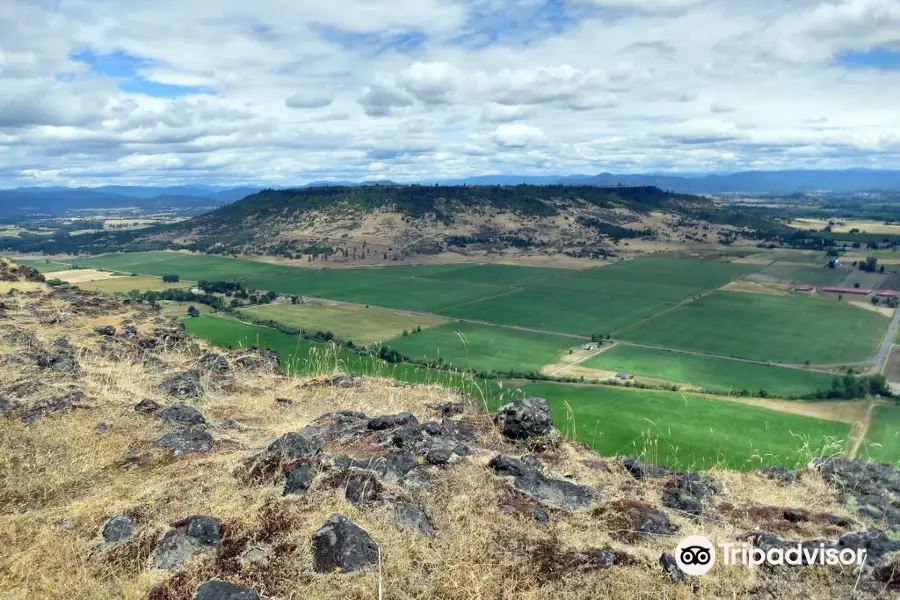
(517,135)
(303,90)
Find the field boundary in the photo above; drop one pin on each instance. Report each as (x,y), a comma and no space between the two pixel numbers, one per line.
(859,433)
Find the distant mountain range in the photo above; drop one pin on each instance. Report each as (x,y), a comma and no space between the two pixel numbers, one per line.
(747,182)
(58,201)
(198,198)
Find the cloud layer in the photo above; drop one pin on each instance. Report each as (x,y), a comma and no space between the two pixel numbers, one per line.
(282,92)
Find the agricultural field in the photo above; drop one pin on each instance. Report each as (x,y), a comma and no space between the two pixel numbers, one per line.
(882,443)
(360,324)
(483,348)
(44,266)
(559,300)
(786,329)
(686,431)
(113,285)
(303,357)
(711,374)
(191,267)
(178,310)
(800,273)
(683,431)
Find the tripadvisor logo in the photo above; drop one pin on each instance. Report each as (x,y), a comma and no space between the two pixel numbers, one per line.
(696,555)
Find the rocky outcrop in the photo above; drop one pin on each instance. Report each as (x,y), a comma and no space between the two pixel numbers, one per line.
(524,419)
(187,538)
(182,385)
(341,546)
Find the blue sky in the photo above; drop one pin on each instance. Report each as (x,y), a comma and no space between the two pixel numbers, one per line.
(282,92)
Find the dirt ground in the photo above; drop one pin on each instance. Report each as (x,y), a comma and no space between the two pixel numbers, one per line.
(751,287)
(843,412)
(883,310)
(82,275)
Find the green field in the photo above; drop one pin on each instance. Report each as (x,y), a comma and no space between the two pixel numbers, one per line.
(713,375)
(598,300)
(484,348)
(882,443)
(789,329)
(685,431)
(360,324)
(665,427)
(303,357)
(191,267)
(799,274)
(43,266)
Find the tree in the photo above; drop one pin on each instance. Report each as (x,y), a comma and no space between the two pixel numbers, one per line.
(171,278)
(235,303)
(856,285)
(831,264)
(874,299)
(192,311)
(295,299)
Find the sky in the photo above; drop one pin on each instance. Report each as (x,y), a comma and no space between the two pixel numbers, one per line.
(283,92)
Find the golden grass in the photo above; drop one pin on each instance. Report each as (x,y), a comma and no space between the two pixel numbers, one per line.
(118,284)
(60,479)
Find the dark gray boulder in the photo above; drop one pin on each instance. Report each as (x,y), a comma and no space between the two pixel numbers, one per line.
(292,446)
(362,488)
(215,363)
(107,330)
(222,590)
(7,405)
(339,426)
(183,385)
(670,567)
(173,549)
(342,546)
(524,419)
(63,362)
(392,421)
(689,493)
(438,456)
(649,521)
(873,489)
(147,406)
(777,473)
(510,467)
(298,478)
(207,530)
(554,492)
(118,529)
(639,469)
(186,441)
(414,518)
(183,415)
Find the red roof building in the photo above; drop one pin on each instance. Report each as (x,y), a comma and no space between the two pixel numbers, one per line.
(837,289)
(888,293)
(804,288)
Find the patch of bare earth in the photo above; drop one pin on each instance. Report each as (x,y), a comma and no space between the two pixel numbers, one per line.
(752,287)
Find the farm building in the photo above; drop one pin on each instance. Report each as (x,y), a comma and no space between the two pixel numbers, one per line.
(805,288)
(887,294)
(837,289)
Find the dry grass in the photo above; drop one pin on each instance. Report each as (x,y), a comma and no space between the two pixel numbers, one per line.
(82,275)
(126,284)
(751,287)
(60,479)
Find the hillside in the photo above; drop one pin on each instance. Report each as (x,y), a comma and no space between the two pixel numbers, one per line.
(136,463)
(383,223)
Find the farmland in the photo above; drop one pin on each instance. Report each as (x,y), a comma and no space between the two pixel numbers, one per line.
(362,325)
(711,374)
(483,348)
(670,428)
(114,285)
(686,431)
(524,319)
(788,329)
(882,443)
